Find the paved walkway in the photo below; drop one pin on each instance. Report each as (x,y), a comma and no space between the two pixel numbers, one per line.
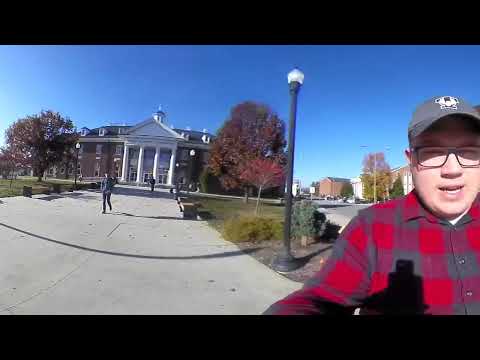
(60,255)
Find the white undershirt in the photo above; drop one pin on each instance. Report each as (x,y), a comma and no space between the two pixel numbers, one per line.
(454,221)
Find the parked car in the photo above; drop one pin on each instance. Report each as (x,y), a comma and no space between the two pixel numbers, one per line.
(350,201)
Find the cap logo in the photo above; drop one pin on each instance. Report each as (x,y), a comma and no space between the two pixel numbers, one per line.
(447,102)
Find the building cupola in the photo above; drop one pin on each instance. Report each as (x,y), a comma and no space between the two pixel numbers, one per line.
(159,116)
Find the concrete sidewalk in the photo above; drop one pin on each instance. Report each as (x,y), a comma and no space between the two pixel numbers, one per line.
(60,255)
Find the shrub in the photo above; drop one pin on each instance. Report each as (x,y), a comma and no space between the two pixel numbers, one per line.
(307,221)
(252,229)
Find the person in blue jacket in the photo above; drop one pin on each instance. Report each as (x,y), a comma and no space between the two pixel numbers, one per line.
(106,187)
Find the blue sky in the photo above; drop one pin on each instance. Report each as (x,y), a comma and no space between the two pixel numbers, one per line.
(352,95)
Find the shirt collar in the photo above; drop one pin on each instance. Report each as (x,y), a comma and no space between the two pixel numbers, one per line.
(414,209)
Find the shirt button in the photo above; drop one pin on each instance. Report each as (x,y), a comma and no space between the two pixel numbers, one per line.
(469,293)
(461,261)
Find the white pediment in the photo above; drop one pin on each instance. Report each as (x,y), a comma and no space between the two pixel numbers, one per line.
(153,128)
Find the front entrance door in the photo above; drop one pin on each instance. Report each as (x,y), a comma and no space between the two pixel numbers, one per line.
(162,176)
(146,176)
(132,177)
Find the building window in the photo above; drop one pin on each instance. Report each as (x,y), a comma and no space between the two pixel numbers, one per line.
(119,150)
(101,132)
(70,170)
(99,149)
(206,139)
(120,131)
(97,170)
(184,154)
(50,171)
(62,170)
(84,132)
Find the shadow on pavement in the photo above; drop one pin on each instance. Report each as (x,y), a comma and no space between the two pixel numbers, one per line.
(66,195)
(210,256)
(305,259)
(151,217)
(142,192)
(50,197)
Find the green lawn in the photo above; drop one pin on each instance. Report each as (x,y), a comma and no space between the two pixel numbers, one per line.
(17,185)
(219,210)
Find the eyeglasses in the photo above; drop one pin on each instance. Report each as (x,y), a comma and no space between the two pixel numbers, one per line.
(433,157)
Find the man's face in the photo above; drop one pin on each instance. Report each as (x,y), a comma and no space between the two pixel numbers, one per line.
(447,191)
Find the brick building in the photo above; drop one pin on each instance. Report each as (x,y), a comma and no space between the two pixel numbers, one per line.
(331,186)
(133,153)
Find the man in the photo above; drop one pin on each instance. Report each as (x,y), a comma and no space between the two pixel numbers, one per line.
(419,254)
(106,187)
(151,180)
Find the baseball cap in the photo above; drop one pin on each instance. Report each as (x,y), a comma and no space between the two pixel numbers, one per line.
(437,108)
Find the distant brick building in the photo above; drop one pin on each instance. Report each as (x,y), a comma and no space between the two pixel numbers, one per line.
(133,153)
(331,186)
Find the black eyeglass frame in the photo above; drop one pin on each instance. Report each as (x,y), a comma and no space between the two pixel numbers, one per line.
(449,151)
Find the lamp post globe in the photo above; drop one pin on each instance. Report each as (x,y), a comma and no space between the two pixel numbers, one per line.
(295,76)
(285,262)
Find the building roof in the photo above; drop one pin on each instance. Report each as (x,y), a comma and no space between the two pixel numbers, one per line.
(194,136)
(335,179)
(109,130)
(113,131)
(398,168)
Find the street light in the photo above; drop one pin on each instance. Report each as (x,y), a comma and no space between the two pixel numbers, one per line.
(192,154)
(375,173)
(285,262)
(77,147)
(177,183)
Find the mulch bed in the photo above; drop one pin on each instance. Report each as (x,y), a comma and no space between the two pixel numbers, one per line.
(314,254)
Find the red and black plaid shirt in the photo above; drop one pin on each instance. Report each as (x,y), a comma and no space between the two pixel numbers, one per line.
(397,257)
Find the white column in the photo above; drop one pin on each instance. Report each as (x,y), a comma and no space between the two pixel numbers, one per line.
(155,163)
(171,171)
(140,165)
(125,163)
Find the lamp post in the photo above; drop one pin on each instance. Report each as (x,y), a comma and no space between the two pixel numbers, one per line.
(177,183)
(285,262)
(375,173)
(192,154)
(77,147)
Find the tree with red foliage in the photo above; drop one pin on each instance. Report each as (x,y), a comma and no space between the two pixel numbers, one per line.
(253,131)
(263,174)
(6,163)
(40,141)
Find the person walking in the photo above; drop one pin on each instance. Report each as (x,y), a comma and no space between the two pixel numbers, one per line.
(106,187)
(151,180)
